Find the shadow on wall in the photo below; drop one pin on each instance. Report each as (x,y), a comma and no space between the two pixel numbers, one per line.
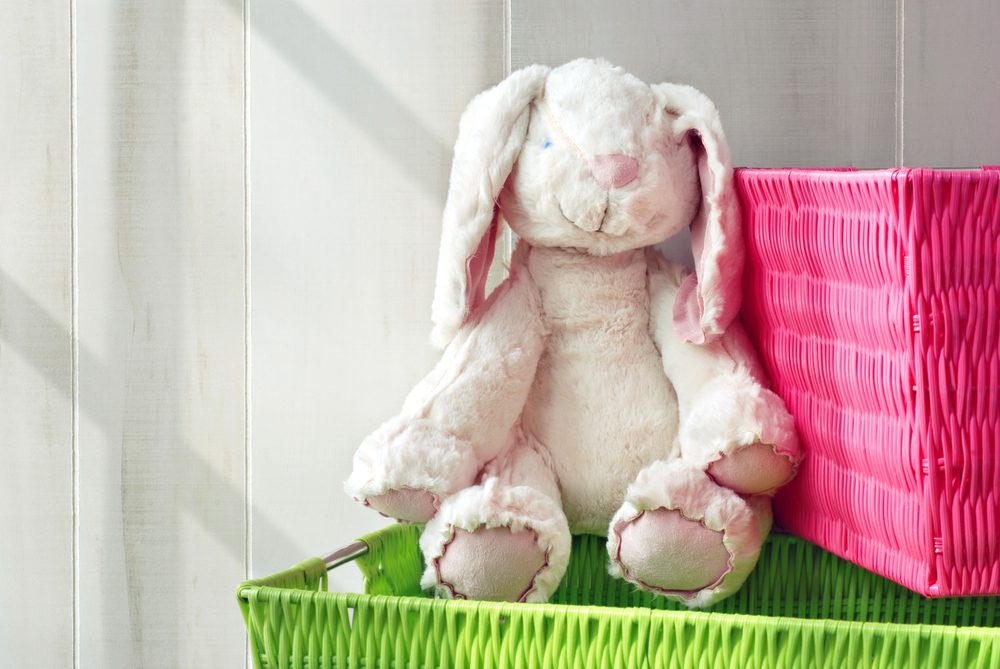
(375,110)
(151,531)
(348,84)
(163,478)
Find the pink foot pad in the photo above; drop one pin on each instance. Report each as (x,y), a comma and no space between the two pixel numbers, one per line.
(407,504)
(663,551)
(752,470)
(491,564)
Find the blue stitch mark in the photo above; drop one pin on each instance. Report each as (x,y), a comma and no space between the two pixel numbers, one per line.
(547,144)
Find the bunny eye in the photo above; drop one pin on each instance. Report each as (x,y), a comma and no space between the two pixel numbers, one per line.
(547,143)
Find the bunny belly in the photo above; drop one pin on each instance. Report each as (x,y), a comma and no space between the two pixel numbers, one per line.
(604,409)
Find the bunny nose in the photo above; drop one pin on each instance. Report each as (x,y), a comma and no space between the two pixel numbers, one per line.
(613,170)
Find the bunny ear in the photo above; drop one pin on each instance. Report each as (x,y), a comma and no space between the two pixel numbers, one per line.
(708,301)
(490,136)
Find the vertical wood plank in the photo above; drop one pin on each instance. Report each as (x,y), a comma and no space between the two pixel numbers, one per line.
(353,115)
(796,82)
(162,337)
(36,364)
(951,83)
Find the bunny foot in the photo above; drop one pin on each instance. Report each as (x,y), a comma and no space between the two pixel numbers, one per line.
(680,535)
(496,542)
(491,563)
(406,467)
(665,552)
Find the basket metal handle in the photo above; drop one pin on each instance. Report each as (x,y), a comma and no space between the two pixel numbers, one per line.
(345,554)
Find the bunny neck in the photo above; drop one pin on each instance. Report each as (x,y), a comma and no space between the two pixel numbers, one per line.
(579,288)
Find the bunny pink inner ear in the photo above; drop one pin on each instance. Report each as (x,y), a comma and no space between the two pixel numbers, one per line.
(688,309)
(705,307)
(477,269)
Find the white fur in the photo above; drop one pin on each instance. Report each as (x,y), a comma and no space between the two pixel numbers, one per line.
(715,232)
(732,411)
(479,387)
(570,384)
(600,402)
(490,135)
(722,401)
(552,198)
(443,464)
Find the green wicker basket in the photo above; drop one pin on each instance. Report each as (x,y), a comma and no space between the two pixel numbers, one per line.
(801,607)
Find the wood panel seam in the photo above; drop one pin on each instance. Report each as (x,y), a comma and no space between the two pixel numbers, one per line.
(247,324)
(507,236)
(900,82)
(74,337)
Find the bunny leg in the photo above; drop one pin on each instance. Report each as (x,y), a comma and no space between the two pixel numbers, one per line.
(731,424)
(505,539)
(459,417)
(680,535)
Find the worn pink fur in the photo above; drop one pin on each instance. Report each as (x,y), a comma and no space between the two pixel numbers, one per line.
(599,389)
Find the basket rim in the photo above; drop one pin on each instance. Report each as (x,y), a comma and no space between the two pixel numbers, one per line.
(352,599)
(255,589)
(849,170)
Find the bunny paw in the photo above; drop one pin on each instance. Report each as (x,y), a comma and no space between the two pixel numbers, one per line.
(410,505)
(406,467)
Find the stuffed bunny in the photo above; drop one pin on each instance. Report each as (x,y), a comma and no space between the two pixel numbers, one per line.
(599,389)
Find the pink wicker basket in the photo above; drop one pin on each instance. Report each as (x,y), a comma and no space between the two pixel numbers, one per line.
(874,301)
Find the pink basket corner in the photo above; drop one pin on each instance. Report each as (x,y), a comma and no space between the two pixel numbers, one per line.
(873,298)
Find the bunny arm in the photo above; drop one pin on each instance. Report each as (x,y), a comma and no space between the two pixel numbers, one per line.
(730,424)
(460,415)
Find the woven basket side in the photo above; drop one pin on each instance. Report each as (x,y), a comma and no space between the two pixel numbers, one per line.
(826,306)
(393,564)
(264,603)
(341,630)
(800,603)
(407,632)
(954,294)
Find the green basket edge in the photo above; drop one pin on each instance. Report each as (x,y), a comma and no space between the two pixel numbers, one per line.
(308,578)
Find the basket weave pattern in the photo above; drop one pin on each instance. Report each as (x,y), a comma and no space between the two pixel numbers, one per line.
(801,607)
(874,301)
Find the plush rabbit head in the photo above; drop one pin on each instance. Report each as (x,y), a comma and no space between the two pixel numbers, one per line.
(588,157)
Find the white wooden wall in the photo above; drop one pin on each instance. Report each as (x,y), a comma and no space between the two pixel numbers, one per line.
(37,407)
(352,116)
(218,230)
